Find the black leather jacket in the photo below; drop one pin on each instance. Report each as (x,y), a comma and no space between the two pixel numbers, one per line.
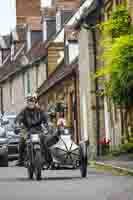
(32,118)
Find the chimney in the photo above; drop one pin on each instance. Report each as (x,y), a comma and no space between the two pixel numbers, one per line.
(44,27)
(28,38)
(14,38)
(61,17)
(48,22)
(12,50)
(1,55)
(58,20)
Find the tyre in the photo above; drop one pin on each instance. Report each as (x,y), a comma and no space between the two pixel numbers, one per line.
(4,161)
(29,165)
(38,165)
(83,159)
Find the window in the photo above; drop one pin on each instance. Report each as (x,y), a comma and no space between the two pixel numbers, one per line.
(27,83)
(11,92)
(67,54)
(1,57)
(23,80)
(73,51)
(37,74)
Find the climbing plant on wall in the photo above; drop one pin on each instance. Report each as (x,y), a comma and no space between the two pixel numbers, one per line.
(118,58)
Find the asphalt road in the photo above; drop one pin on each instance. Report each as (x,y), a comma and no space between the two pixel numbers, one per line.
(62,185)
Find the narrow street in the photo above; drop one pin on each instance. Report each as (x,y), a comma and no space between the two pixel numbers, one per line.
(63,185)
(66,98)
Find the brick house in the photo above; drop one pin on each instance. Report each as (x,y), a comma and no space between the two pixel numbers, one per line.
(62,69)
(22,60)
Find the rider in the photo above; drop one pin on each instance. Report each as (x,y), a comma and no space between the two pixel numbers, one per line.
(30,118)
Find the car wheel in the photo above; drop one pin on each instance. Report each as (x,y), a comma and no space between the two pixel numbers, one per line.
(4,161)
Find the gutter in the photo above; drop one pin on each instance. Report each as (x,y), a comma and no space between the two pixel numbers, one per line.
(55,78)
(20,69)
(85,9)
(89,6)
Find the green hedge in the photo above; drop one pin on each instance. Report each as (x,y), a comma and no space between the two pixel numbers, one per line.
(126,148)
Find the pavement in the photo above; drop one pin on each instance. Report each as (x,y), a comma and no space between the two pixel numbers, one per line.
(64,185)
(123,163)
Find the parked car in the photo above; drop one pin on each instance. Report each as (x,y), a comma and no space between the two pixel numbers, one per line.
(3,147)
(13,138)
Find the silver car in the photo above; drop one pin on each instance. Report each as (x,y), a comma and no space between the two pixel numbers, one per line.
(3,147)
(13,138)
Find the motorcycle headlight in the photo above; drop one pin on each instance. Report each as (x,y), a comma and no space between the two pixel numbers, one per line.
(35,138)
(66,132)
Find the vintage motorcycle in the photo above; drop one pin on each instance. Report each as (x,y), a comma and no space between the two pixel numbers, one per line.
(64,153)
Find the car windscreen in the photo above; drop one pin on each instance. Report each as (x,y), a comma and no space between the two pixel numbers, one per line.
(10,125)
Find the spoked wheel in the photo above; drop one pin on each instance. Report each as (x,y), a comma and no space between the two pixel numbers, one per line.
(38,165)
(83,159)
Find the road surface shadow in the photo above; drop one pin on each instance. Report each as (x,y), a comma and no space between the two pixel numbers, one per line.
(25,179)
(57,178)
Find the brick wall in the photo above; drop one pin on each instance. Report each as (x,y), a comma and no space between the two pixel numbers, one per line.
(67,4)
(28,11)
(28,8)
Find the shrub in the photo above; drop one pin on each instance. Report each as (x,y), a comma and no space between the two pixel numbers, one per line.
(126,148)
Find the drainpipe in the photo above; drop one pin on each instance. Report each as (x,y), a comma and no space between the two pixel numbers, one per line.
(76,106)
(1,100)
(99,151)
(96,89)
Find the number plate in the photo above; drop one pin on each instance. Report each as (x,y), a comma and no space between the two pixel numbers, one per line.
(36,146)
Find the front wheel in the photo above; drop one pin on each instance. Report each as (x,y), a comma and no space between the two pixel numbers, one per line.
(83,159)
(38,165)
(29,164)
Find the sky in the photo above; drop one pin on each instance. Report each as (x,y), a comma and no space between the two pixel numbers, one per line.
(7,16)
